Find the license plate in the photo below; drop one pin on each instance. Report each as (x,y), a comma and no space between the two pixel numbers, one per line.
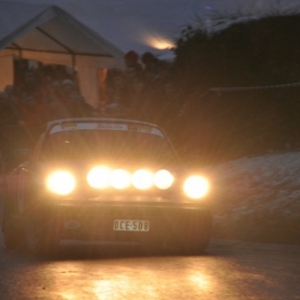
(131,225)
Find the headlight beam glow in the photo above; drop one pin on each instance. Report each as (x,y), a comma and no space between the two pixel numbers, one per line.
(61,182)
(163,179)
(120,179)
(196,187)
(142,179)
(98,177)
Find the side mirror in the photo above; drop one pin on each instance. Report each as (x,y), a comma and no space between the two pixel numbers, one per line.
(21,155)
(15,158)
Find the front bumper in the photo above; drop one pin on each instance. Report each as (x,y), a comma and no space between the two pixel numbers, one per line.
(168,222)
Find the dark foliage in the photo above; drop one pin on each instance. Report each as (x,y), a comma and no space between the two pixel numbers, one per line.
(257,53)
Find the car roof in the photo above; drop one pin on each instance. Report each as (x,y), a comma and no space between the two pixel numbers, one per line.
(98,119)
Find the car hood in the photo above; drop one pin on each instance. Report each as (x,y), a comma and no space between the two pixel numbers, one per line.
(83,166)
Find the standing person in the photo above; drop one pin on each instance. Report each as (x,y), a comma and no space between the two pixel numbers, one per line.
(67,89)
(159,95)
(30,86)
(151,66)
(8,120)
(30,98)
(131,59)
(142,108)
(119,95)
(73,101)
(11,98)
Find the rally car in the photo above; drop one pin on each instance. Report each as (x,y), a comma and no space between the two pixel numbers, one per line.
(105,179)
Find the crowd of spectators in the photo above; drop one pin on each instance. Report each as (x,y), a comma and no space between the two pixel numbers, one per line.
(36,100)
(143,90)
(38,96)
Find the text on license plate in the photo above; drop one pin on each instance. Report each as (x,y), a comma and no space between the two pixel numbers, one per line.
(131,225)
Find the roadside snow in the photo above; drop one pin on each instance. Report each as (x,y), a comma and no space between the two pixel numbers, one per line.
(258,197)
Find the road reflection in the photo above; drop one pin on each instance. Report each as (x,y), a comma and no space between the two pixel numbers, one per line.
(116,273)
(200,281)
(121,274)
(147,278)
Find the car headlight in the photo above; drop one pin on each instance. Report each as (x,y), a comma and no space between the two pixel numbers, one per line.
(61,182)
(99,177)
(196,187)
(163,179)
(142,179)
(120,179)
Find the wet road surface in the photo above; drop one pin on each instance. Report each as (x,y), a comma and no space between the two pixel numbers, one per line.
(227,271)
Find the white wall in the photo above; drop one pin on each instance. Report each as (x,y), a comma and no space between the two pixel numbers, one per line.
(89,85)
(7,70)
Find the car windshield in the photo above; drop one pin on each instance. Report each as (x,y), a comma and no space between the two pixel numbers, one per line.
(130,146)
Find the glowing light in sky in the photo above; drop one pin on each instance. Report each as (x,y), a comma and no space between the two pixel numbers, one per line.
(158,42)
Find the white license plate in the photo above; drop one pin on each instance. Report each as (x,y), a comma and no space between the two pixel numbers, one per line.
(131,225)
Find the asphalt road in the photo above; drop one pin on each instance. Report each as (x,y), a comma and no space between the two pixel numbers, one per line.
(227,271)
(230,270)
